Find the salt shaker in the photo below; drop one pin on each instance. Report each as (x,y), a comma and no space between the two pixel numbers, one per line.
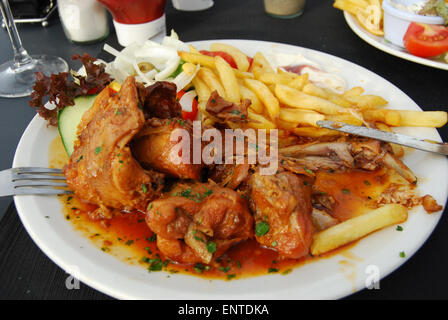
(83,21)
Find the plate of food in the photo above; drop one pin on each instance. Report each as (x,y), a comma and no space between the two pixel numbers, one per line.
(335,215)
(385,24)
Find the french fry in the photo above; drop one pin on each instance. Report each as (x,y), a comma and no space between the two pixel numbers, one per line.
(389,117)
(256,104)
(260,121)
(353,92)
(286,124)
(396,149)
(239,57)
(266,97)
(193,49)
(299,82)
(339,100)
(260,65)
(358,227)
(351,5)
(209,62)
(297,99)
(433,119)
(202,89)
(198,58)
(211,80)
(367,101)
(228,80)
(301,117)
(312,132)
(345,118)
(312,89)
(189,68)
(274,78)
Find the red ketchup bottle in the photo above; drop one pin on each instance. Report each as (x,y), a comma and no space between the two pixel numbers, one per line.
(136,20)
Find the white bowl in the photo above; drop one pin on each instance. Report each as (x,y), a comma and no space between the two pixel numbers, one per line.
(396,21)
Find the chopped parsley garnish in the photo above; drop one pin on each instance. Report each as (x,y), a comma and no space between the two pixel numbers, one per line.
(235,112)
(79,159)
(199,267)
(152,238)
(207,192)
(238,264)
(97,150)
(345,191)
(271,270)
(181,122)
(155,265)
(231,276)
(261,229)
(129,242)
(211,247)
(402,254)
(144,188)
(308,170)
(367,183)
(224,269)
(399,228)
(149,206)
(274,243)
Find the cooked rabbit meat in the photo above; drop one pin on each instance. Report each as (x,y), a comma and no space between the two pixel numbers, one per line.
(153,148)
(101,169)
(282,207)
(170,217)
(363,153)
(218,216)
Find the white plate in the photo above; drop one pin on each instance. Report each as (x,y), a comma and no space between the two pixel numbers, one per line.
(383,45)
(326,278)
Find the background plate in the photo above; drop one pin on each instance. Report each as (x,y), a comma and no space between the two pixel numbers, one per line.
(380,43)
(329,278)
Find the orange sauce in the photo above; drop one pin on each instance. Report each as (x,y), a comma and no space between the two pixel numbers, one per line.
(127,237)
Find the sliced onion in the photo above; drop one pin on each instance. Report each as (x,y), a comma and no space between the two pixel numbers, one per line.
(183,79)
(186,101)
(171,66)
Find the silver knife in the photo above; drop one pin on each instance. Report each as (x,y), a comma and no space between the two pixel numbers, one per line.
(404,140)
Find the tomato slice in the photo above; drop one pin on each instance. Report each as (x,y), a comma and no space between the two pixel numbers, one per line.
(425,40)
(188,115)
(222,54)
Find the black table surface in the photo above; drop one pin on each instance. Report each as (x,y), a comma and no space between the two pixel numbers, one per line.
(26,273)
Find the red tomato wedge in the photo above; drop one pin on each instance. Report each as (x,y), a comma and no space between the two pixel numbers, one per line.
(424,40)
(222,54)
(187,115)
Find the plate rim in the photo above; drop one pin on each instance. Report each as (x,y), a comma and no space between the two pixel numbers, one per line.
(112,291)
(367,37)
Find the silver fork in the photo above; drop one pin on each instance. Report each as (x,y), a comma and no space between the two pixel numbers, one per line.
(32,180)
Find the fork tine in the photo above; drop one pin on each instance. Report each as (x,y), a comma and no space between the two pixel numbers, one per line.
(40,191)
(17,177)
(20,184)
(22,170)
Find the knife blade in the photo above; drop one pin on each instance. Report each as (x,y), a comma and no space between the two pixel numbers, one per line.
(401,139)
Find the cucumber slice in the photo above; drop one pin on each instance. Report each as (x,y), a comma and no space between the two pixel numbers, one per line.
(70,117)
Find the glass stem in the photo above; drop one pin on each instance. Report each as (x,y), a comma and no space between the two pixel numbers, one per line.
(21,57)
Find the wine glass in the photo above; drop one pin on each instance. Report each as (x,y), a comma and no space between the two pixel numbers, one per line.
(17,76)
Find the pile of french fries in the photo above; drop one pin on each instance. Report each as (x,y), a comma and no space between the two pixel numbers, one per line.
(369,13)
(293,104)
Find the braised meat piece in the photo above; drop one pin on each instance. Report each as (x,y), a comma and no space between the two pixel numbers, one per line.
(101,169)
(282,209)
(199,223)
(153,147)
(225,110)
(159,100)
